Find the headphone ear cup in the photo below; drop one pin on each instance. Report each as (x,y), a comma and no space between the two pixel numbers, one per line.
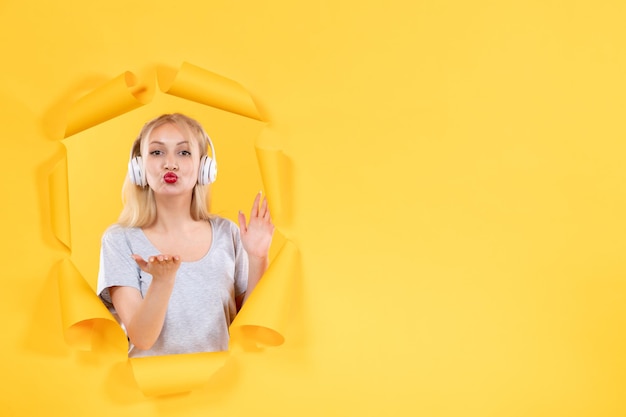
(208,171)
(134,171)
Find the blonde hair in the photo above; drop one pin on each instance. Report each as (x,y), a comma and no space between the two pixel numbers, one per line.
(139,203)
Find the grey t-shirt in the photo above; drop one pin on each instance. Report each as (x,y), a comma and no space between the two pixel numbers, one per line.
(202,304)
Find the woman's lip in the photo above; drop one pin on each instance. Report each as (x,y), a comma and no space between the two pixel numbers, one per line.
(170,178)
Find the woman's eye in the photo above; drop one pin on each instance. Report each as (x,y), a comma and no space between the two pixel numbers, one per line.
(156,152)
(185,153)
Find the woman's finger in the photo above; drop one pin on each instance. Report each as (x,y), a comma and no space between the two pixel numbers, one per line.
(139,260)
(242,222)
(255,206)
(263,208)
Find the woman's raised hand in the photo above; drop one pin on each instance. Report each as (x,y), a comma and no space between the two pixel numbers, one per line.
(256,235)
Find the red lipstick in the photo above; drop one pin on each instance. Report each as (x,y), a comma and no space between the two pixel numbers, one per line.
(170,178)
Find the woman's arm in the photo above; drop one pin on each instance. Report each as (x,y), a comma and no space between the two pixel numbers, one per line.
(256,269)
(143,318)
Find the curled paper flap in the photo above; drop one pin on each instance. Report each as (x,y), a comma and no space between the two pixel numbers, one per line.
(265,316)
(276,172)
(206,87)
(175,374)
(86,321)
(59,202)
(118,96)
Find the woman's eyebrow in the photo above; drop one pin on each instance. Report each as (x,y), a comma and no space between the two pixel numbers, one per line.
(158,142)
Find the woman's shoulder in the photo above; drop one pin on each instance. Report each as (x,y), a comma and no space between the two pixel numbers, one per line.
(117,231)
(223,224)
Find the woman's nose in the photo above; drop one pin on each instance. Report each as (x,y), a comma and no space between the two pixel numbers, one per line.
(170,164)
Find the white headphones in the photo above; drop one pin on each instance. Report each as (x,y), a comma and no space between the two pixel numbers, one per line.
(207,173)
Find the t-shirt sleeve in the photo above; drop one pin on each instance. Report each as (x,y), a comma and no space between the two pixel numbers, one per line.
(241,262)
(117,268)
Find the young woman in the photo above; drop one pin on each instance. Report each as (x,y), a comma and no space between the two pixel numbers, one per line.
(174,275)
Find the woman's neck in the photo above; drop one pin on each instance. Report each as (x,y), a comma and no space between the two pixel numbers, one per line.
(173,215)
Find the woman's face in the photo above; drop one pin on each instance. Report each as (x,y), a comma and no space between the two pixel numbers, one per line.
(171,161)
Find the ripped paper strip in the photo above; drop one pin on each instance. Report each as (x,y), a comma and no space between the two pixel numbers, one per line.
(265,325)
(118,96)
(262,320)
(85,318)
(199,85)
(276,173)
(59,202)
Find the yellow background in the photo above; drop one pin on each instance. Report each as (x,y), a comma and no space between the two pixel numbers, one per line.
(457,198)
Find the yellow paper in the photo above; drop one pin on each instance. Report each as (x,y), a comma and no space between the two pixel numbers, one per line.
(458,201)
(176,374)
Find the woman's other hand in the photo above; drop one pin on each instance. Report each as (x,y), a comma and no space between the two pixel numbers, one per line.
(256,235)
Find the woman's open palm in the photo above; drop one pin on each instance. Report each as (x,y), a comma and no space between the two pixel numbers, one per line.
(256,235)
